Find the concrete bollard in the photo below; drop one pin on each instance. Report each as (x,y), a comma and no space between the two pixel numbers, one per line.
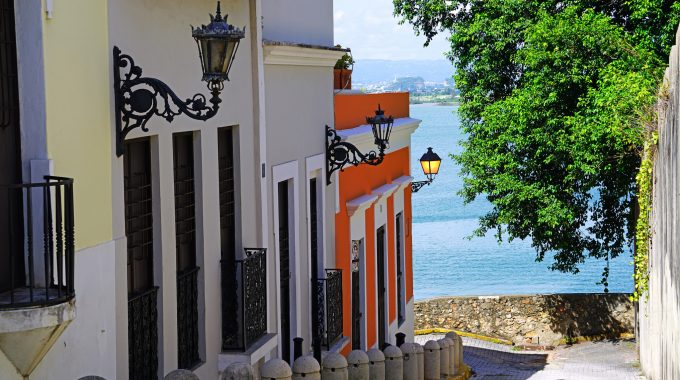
(444,356)
(452,357)
(376,364)
(276,369)
(334,367)
(306,367)
(410,357)
(421,361)
(358,365)
(457,352)
(394,364)
(238,371)
(431,360)
(181,374)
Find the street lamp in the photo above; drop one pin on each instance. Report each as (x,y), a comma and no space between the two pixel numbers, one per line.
(430,163)
(139,98)
(341,153)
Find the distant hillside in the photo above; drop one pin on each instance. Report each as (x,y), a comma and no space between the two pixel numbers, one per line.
(374,71)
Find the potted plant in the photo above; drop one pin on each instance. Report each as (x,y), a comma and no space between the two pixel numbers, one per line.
(342,75)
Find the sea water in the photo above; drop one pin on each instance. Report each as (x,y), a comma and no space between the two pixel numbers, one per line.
(446,263)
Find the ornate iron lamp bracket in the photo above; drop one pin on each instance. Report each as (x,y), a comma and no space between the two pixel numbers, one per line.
(415,186)
(138,99)
(341,153)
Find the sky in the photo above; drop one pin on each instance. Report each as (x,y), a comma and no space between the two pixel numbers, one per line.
(372,32)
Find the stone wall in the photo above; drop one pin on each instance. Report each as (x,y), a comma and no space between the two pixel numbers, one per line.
(531,320)
(659,324)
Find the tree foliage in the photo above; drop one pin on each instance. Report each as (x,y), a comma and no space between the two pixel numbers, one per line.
(555,100)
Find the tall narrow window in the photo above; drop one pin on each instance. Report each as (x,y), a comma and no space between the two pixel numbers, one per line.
(401,307)
(142,294)
(185,244)
(317,289)
(356,296)
(284,273)
(382,286)
(225,153)
(11,234)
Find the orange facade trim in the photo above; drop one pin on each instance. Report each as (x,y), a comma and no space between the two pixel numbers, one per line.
(351,109)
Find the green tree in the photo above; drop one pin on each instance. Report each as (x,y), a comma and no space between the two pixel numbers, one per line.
(554,99)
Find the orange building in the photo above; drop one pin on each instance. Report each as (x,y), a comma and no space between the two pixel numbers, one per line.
(373,223)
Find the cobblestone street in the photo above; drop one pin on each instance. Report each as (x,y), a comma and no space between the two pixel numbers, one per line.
(584,361)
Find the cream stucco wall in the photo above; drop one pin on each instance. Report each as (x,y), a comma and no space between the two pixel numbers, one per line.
(77,97)
(156,33)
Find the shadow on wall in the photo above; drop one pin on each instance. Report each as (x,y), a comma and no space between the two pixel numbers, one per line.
(598,315)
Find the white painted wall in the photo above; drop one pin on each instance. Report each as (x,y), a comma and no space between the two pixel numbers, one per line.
(659,315)
(299,99)
(157,35)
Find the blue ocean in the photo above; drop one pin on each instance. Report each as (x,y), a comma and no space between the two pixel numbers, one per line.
(446,263)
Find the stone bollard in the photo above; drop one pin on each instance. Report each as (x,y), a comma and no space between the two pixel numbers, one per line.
(238,371)
(394,364)
(444,356)
(421,361)
(452,357)
(431,360)
(410,356)
(181,374)
(376,364)
(276,369)
(358,365)
(457,352)
(334,367)
(306,367)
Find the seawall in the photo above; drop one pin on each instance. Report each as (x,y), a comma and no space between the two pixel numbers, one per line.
(545,319)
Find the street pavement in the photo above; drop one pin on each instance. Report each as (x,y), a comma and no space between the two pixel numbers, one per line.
(605,360)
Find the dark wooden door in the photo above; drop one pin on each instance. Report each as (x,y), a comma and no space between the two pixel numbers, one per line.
(284,270)
(230,316)
(185,244)
(400,275)
(356,296)
(317,290)
(11,232)
(142,294)
(382,287)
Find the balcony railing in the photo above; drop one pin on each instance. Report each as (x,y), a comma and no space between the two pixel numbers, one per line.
(329,307)
(187,318)
(38,243)
(247,322)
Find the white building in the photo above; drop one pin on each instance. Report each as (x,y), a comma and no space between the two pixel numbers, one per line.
(194,248)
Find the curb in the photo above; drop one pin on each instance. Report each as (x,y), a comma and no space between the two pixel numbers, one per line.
(465,334)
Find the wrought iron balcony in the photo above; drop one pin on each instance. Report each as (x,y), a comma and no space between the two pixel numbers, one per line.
(37,244)
(329,307)
(244,300)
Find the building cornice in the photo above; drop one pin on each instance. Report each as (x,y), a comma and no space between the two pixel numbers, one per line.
(362,136)
(361,203)
(403,181)
(385,191)
(293,54)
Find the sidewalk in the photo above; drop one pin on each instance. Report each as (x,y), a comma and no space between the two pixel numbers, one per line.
(584,361)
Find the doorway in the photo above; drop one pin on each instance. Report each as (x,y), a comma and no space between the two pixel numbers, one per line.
(382,287)
(284,268)
(11,210)
(142,294)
